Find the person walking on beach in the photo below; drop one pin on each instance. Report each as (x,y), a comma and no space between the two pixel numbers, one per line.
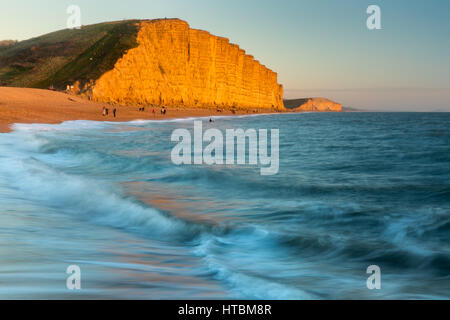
(114,112)
(104,111)
(154,112)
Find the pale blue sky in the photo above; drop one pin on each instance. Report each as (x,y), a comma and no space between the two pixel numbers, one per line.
(317,47)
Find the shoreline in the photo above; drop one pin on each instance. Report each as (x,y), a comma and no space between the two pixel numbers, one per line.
(26,106)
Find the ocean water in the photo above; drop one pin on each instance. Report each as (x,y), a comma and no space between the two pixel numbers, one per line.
(353,190)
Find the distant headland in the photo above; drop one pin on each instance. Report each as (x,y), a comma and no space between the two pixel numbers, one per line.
(313,105)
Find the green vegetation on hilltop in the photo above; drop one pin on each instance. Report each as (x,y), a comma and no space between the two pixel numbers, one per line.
(63,57)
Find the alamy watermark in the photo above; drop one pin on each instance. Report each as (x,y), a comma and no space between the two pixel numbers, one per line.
(73,281)
(74,20)
(374,20)
(213,152)
(374,281)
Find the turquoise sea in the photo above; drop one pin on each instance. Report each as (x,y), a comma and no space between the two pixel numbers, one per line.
(353,190)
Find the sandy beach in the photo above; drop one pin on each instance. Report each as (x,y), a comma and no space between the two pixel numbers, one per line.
(24,105)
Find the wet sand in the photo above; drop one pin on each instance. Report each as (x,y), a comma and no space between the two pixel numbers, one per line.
(25,105)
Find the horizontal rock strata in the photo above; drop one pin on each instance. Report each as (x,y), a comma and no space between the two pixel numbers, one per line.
(176,65)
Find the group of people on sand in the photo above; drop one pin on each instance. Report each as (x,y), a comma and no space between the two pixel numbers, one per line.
(105,112)
(163,110)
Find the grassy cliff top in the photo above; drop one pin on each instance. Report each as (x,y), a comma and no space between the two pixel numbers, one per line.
(60,58)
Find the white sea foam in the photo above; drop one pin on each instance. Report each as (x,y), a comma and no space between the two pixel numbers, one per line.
(310,233)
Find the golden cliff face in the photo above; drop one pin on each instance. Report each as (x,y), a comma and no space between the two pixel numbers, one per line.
(176,65)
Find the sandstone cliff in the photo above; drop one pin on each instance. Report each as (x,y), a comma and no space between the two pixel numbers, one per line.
(313,105)
(176,65)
